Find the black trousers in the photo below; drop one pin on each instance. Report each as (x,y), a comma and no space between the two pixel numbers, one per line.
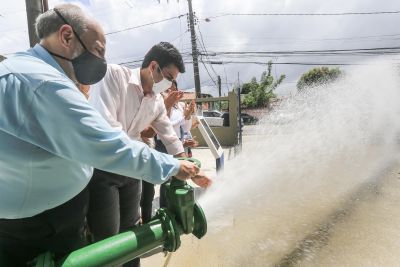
(146,202)
(114,206)
(59,230)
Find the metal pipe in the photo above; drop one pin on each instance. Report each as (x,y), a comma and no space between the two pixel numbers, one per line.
(182,215)
(119,249)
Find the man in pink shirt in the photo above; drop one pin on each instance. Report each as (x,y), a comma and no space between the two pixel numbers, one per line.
(130,99)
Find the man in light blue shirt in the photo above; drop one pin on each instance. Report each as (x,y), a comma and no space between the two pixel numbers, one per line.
(50,137)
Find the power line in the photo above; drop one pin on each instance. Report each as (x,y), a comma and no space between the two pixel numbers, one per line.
(328,52)
(201,41)
(249,42)
(299,53)
(374,49)
(305,14)
(208,72)
(147,24)
(138,57)
(202,61)
(284,63)
(314,39)
(349,54)
(184,54)
(179,36)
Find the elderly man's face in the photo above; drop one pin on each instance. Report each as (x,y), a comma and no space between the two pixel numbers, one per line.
(84,52)
(95,40)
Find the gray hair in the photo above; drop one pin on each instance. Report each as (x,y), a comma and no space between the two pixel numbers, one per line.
(49,22)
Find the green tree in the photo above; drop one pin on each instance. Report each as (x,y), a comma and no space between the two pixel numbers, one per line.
(318,76)
(258,94)
(247,87)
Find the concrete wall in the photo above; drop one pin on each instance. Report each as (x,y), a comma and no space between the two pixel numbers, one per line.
(227,136)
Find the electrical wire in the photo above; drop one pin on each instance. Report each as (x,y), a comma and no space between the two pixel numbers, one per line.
(292,53)
(146,24)
(209,72)
(179,36)
(201,40)
(304,14)
(378,50)
(141,59)
(316,39)
(202,61)
(284,63)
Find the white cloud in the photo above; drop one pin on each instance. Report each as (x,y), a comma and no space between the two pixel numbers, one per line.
(229,33)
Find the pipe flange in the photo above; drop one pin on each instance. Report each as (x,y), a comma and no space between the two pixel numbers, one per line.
(171,228)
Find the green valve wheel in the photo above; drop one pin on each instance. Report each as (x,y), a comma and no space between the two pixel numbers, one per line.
(195,161)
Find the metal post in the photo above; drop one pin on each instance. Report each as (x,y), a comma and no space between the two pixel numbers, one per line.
(33,9)
(219,86)
(195,53)
(219,91)
(239,115)
(238,147)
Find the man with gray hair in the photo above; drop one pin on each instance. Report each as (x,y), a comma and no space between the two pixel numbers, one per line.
(50,138)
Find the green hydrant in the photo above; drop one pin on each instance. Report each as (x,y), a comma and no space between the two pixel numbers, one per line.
(182,216)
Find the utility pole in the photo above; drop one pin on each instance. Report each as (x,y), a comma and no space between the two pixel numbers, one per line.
(33,9)
(239,115)
(195,53)
(219,91)
(219,86)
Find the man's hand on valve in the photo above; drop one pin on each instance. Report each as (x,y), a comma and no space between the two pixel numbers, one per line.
(189,170)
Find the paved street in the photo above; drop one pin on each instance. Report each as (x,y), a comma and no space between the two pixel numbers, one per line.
(364,231)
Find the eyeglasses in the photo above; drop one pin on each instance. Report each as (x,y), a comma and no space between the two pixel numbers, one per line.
(169,76)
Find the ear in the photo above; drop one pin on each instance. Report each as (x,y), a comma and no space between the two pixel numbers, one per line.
(153,66)
(65,35)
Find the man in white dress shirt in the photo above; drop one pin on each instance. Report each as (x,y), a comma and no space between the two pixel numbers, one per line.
(130,99)
(180,115)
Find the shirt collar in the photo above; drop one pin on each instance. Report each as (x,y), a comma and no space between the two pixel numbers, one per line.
(135,80)
(42,53)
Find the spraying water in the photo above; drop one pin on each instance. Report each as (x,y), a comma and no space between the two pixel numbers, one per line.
(310,155)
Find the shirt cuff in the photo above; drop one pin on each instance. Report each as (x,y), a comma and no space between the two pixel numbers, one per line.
(176,168)
(175,148)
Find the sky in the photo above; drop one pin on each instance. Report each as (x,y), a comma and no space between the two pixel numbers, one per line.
(217,31)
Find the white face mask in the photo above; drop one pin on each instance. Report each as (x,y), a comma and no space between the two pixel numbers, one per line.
(162,85)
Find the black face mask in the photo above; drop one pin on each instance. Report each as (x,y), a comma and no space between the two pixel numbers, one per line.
(88,68)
